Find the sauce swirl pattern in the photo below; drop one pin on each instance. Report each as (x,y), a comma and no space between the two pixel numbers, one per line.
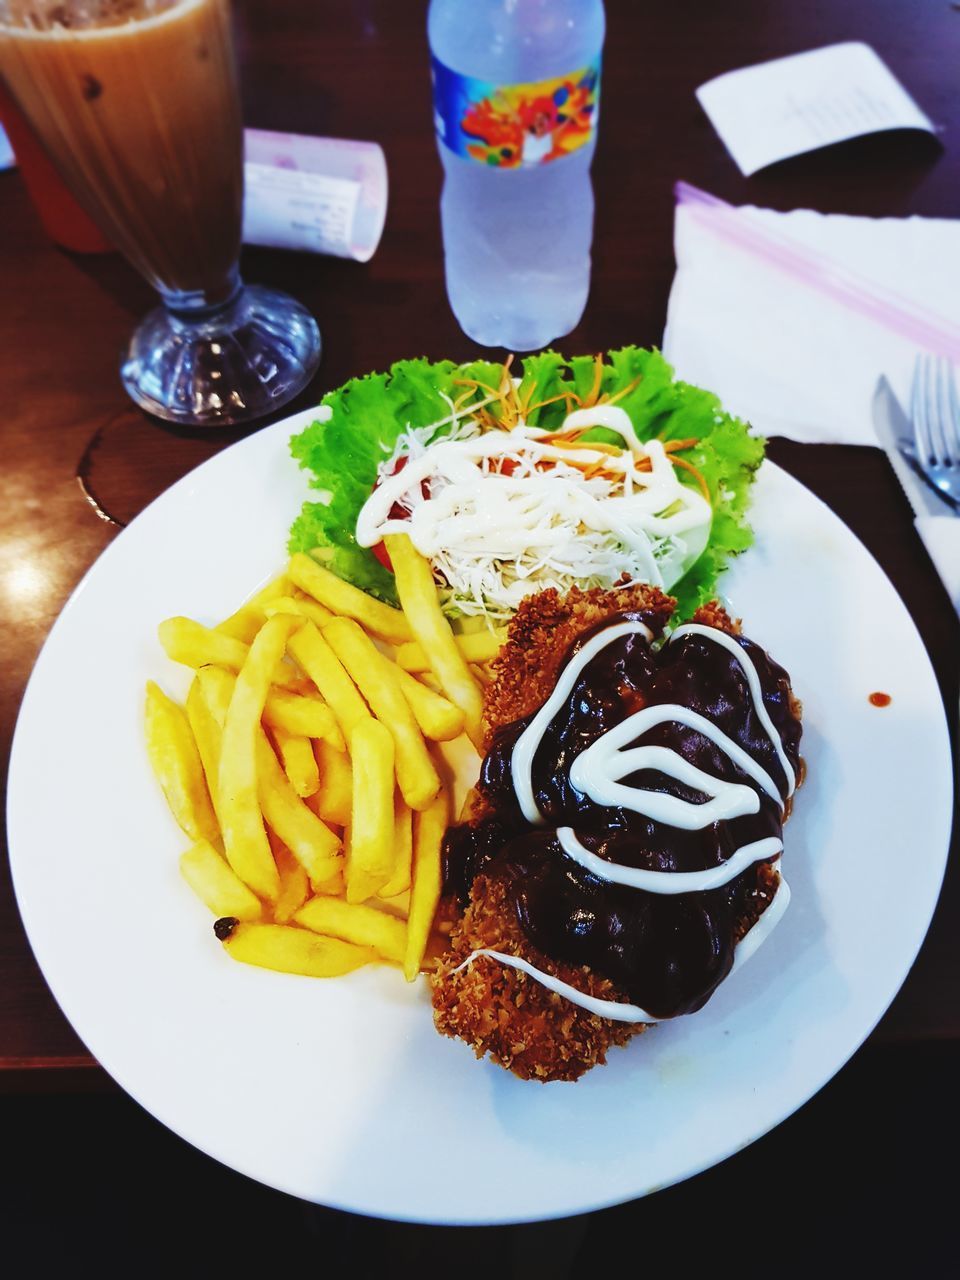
(638,812)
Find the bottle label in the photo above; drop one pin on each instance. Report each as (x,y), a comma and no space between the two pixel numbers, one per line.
(510,126)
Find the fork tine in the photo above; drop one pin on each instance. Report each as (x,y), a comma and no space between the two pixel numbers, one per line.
(951,425)
(918,412)
(941,426)
(932,403)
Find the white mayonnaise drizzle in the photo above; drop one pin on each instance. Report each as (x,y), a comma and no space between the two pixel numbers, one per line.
(610,416)
(499,534)
(618,1011)
(751,942)
(668,882)
(521,761)
(753,683)
(597,773)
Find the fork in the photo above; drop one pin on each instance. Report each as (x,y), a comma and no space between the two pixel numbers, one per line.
(935,411)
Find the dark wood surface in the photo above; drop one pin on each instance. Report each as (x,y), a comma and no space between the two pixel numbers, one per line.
(120,1180)
(361,70)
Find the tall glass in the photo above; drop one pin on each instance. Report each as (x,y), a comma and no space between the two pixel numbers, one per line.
(136,103)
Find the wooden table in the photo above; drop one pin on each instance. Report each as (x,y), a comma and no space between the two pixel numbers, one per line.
(361,70)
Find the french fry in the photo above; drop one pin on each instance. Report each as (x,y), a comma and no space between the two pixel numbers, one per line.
(294,884)
(207,733)
(303,607)
(428,830)
(250,617)
(216,885)
(310,717)
(436,715)
(478,646)
(347,600)
(307,837)
(298,760)
(195,645)
(353,922)
(398,906)
(242,625)
(290,950)
(379,682)
(399,881)
(278,586)
(178,767)
(335,887)
(323,667)
(217,686)
(418,595)
(244,837)
(369,861)
(334,798)
(482,674)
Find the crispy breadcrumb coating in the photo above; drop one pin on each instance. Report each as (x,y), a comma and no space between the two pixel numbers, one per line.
(533,1032)
(497,1010)
(525,670)
(521,1024)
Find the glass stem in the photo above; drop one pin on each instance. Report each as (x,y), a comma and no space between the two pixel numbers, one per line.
(194,305)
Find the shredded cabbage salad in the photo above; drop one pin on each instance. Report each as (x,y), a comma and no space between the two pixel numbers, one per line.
(589,471)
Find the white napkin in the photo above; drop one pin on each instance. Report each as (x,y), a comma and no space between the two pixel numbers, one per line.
(791,318)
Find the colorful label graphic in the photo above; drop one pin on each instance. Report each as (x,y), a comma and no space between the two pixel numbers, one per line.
(513,125)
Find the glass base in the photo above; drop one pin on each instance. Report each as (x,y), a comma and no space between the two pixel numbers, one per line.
(208,367)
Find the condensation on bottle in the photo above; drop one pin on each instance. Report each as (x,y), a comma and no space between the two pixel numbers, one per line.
(516,90)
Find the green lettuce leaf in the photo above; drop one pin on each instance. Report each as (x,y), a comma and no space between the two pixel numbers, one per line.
(368,414)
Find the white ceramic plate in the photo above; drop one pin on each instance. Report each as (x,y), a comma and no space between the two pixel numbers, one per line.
(341,1091)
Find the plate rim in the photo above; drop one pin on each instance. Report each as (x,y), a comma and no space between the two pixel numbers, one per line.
(584,1204)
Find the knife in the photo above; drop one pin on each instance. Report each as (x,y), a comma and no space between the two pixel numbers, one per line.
(895,434)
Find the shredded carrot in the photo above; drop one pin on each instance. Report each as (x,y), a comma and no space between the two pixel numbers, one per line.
(475,385)
(559,441)
(632,386)
(591,396)
(697,475)
(597,469)
(528,409)
(672,446)
(513,408)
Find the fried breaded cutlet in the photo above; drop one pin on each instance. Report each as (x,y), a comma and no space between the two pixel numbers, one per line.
(499,1010)
(541,632)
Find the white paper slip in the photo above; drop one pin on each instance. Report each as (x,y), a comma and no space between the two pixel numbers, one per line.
(321,195)
(783,108)
(287,209)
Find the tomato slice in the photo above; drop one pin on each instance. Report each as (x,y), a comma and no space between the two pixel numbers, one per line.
(504,467)
(396,513)
(383,555)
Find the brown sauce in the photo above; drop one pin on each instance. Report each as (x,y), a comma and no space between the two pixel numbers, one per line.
(668,953)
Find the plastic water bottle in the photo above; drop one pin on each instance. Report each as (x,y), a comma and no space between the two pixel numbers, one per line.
(516,90)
